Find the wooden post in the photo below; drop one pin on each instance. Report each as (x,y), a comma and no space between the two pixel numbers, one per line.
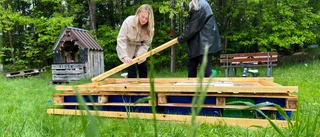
(57,99)
(102,99)
(220,101)
(162,99)
(291,103)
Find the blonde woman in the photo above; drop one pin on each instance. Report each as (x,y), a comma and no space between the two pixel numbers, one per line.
(134,39)
(201,30)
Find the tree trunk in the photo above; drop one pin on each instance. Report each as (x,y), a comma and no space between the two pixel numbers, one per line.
(173,35)
(92,8)
(5,6)
(112,13)
(120,11)
(225,24)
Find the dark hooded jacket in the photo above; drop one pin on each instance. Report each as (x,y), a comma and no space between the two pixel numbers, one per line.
(201,30)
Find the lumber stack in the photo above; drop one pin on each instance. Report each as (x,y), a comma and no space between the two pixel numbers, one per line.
(113,97)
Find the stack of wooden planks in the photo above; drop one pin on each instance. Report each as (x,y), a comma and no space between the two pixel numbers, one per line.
(114,96)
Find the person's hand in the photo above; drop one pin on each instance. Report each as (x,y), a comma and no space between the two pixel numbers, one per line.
(128,60)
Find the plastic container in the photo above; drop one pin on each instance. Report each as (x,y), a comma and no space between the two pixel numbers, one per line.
(214,73)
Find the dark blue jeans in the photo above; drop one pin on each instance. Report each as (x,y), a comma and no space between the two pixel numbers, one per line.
(142,70)
(194,63)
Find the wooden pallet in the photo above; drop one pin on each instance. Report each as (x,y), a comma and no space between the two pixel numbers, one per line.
(101,99)
(185,85)
(173,99)
(68,72)
(215,106)
(24,73)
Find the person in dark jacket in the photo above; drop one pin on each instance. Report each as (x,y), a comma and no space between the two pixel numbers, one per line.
(201,30)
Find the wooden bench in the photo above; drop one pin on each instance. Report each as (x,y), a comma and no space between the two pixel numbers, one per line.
(249,60)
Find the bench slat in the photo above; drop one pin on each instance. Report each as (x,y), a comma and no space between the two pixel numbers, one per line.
(250,66)
(248,60)
(272,54)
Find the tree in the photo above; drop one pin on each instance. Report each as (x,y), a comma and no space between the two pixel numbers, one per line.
(268,25)
(173,35)
(92,18)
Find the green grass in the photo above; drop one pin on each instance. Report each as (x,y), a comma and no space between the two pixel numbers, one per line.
(24,101)
(312,50)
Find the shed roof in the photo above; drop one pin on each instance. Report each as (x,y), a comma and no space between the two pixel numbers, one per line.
(80,37)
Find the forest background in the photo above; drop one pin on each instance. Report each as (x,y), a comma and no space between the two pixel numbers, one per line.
(29,28)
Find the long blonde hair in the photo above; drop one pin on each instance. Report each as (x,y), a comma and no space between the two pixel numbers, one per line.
(195,4)
(150,24)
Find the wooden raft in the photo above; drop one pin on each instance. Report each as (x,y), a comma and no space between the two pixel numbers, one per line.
(173,94)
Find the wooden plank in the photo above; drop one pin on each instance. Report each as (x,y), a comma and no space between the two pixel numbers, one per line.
(66,72)
(67,66)
(186,89)
(183,88)
(135,60)
(83,87)
(244,122)
(272,59)
(169,105)
(72,93)
(163,81)
(271,54)
(175,80)
(164,95)
(222,106)
(249,66)
(102,104)
(268,83)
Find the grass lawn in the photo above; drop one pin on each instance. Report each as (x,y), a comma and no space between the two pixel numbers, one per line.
(24,102)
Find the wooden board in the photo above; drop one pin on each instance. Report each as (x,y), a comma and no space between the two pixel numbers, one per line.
(244,122)
(239,85)
(135,60)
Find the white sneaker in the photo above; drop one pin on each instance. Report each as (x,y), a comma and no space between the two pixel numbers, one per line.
(124,75)
(253,71)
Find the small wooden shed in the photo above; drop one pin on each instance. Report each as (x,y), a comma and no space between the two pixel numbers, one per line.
(76,55)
